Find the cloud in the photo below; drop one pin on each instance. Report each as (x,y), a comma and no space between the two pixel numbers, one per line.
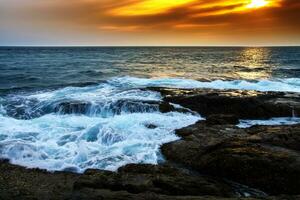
(220,18)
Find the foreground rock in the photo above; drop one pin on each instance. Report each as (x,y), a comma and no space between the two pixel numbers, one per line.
(130,182)
(162,180)
(241,104)
(262,157)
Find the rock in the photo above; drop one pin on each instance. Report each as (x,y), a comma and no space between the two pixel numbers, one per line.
(92,194)
(282,136)
(266,158)
(130,182)
(21,183)
(112,108)
(211,161)
(151,126)
(242,104)
(221,119)
(165,107)
(163,180)
(72,107)
(273,170)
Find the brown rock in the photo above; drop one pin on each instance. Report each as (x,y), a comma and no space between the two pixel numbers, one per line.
(266,158)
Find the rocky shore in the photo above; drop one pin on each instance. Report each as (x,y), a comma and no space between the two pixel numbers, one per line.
(213,160)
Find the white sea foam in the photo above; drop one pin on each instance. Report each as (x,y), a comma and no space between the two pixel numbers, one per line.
(103,138)
(270,122)
(2,110)
(102,92)
(57,142)
(289,85)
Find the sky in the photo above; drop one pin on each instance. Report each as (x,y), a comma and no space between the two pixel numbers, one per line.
(150,22)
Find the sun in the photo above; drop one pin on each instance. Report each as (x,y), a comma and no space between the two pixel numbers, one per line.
(258,3)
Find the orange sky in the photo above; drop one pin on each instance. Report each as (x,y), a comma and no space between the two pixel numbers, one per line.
(150,22)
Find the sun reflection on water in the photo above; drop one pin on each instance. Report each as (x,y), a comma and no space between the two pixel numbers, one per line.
(255,63)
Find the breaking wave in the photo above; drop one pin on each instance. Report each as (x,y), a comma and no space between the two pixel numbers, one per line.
(76,128)
(102,126)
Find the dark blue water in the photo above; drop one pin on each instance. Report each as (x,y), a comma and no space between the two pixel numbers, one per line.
(47,67)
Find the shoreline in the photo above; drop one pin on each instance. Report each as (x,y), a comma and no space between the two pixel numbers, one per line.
(262,157)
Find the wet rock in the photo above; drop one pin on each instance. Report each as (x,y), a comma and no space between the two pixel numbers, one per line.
(130,182)
(242,104)
(72,107)
(221,119)
(165,107)
(133,106)
(21,183)
(151,126)
(105,108)
(153,179)
(266,158)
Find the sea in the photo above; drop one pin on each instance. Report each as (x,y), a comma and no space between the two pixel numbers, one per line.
(75,108)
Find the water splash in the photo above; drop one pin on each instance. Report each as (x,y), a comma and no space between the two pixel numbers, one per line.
(76,128)
(269,122)
(286,85)
(103,126)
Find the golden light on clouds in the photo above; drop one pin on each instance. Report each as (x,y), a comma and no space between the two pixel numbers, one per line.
(186,22)
(199,7)
(258,3)
(149,7)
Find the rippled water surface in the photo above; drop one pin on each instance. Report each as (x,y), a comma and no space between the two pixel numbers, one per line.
(44,67)
(78,108)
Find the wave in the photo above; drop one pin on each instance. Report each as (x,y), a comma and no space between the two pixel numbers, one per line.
(102,126)
(279,85)
(60,142)
(102,100)
(75,128)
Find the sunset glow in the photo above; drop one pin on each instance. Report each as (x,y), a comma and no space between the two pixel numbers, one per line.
(155,22)
(149,7)
(258,3)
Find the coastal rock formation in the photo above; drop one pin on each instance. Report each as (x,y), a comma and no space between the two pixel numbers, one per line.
(241,104)
(164,180)
(213,160)
(264,157)
(130,182)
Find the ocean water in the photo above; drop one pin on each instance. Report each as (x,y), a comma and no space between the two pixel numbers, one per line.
(88,107)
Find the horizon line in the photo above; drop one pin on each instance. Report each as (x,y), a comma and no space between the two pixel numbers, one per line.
(148,46)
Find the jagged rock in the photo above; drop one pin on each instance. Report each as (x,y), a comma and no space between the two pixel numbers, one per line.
(242,104)
(266,158)
(153,179)
(130,182)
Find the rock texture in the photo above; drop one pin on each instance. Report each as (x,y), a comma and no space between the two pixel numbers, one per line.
(264,157)
(130,182)
(242,104)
